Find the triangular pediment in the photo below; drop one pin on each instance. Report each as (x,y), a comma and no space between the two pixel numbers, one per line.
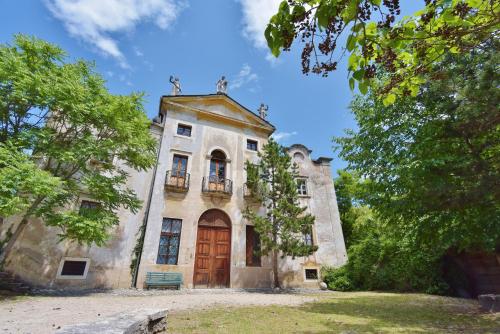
(218,106)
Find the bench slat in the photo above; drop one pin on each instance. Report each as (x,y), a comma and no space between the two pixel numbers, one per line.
(163,279)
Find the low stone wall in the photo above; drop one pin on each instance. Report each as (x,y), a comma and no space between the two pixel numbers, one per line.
(145,321)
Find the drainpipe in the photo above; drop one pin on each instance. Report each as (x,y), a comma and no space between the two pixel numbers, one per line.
(148,206)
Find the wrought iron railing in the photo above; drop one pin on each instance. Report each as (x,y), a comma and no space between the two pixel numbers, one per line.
(252,193)
(215,184)
(177,181)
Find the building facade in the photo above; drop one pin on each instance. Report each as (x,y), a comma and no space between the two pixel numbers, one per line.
(192,215)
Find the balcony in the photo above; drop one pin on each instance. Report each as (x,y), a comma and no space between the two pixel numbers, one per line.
(177,181)
(252,194)
(214,185)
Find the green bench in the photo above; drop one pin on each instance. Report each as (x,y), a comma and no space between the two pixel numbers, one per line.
(163,280)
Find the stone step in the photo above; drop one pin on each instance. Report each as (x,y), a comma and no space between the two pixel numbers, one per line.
(10,283)
(15,287)
(4,274)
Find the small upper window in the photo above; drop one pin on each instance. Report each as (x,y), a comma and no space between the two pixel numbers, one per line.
(184,130)
(302,187)
(251,145)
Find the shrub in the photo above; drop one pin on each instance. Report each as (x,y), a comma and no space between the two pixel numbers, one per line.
(337,278)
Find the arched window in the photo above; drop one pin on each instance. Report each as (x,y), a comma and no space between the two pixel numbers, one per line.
(217,166)
(298,157)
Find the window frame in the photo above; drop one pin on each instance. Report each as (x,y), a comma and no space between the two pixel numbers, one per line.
(256,260)
(311,279)
(184,127)
(302,181)
(80,259)
(169,235)
(175,167)
(93,205)
(310,238)
(252,142)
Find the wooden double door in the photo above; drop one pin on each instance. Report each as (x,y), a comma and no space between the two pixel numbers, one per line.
(213,252)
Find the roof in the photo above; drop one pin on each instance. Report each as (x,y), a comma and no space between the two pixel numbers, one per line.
(320,160)
(221,96)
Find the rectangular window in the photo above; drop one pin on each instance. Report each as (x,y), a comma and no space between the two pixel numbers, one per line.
(253,246)
(184,130)
(308,238)
(302,187)
(251,145)
(73,268)
(311,273)
(168,251)
(88,205)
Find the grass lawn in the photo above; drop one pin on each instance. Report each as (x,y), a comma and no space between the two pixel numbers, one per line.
(344,313)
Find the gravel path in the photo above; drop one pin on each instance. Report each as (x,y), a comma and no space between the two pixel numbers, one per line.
(44,314)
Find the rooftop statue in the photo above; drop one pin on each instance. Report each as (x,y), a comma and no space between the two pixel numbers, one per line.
(222,85)
(263,110)
(176,85)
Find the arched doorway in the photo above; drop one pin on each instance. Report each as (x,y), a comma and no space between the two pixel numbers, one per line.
(213,250)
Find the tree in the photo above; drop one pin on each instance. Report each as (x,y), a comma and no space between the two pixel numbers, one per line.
(381,256)
(405,49)
(434,160)
(64,136)
(350,190)
(285,223)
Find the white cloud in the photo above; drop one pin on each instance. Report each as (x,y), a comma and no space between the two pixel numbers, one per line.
(138,52)
(94,20)
(245,76)
(280,136)
(256,15)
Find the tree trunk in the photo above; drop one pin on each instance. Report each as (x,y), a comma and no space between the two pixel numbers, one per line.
(19,229)
(275,270)
(10,244)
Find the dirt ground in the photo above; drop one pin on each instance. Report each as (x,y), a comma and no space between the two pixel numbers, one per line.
(45,314)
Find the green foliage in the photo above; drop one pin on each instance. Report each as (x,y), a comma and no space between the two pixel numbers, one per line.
(380,257)
(350,191)
(256,188)
(337,278)
(21,180)
(431,171)
(64,136)
(283,227)
(406,49)
(434,159)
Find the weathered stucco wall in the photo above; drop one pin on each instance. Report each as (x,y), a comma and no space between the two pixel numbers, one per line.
(327,230)
(217,123)
(207,135)
(38,253)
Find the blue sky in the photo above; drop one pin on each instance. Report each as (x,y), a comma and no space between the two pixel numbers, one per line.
(138,44)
